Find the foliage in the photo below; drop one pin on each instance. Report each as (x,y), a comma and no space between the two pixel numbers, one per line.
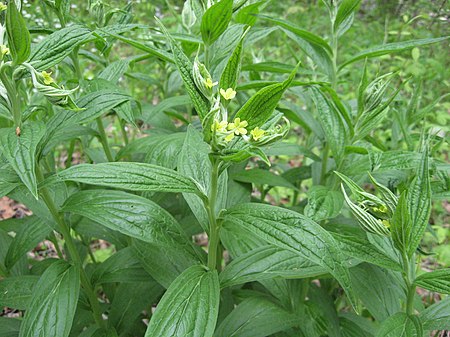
(313,163)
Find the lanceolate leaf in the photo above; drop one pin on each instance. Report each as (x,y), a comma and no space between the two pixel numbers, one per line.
(256,317)
(346,9)
(419,204)
(290,230)
(16,291)
(53,303)
(231,72)
(128,176)
(20,151)
(400,325)
(389,48)
(131,215)
(54,48)
(437,316)
(258,109)
(215,20)
(19,40)
(190,306)
(268,262)
(438,281)
(185,67)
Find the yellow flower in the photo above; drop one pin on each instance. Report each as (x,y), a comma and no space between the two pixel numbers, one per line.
(4,50)
(386,223)
(257,133)
(219,126)
(209,83)
(3,7)
(228,94)
(238,127)
(47,78)
(229,138)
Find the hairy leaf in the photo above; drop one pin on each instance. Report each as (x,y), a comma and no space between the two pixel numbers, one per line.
(215,20)
(19,39)
(437,280)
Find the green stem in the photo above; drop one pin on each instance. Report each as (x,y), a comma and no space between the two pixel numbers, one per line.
(409,277)
(70,153)
(124,132)
(54,240)
(104,139)
(13,96)
(73,252)
(213,226)
(323,172)
(207,57)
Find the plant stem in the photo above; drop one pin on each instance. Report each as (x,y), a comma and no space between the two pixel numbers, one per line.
(73,252)
(409,277)
(70,153)
(12,96)
(213,226)
(104,139)
(323,171)
(124,132)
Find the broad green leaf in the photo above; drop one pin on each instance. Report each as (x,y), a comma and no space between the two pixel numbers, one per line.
(261,177)
(230,74)
(20,151)
(401,225)
(185,67)
(19,39)
(27,237)
(57,46)
(268,262)
(16,291)
(53,303)
(190,306)
(258,109)
(390,48)
(10,327)
(215,20)
(437,316)
(379,290)
(194,162)
(128,176)
(437,281)
(331,121)
(256,317)
(97,103)
(363,250)
(247,15)
(129,302)
(400,325)
(114,71)
(122,266)
(323,203)
(293,231)
(131,215)
(419,204)
(345,10)
(8,181)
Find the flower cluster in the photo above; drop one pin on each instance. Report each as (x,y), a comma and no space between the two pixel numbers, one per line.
(3,7)
(227,131)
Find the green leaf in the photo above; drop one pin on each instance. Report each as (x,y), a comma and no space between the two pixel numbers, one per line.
(363,250)
(16,291)
(400,325)
(232,70)
(57,46)
(19,39)
(20,151)
(293,231)
(437,280)
(33,231)
(190,306)
(256,317)
(437,316)
(8,181)
(261,177)
(379,290)
(131,215)
(53,303)
(185,67)
(10,327)
(419,204)
(97,103)
(215,20)
(331,121)
(390,48)
(323,203)
(268,262)
(128,176)
(258,109)
(345,10)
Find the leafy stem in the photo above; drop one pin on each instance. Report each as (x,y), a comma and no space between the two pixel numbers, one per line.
(104,139)
(211,209)
(409,277)
(65,231)
(11,91)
